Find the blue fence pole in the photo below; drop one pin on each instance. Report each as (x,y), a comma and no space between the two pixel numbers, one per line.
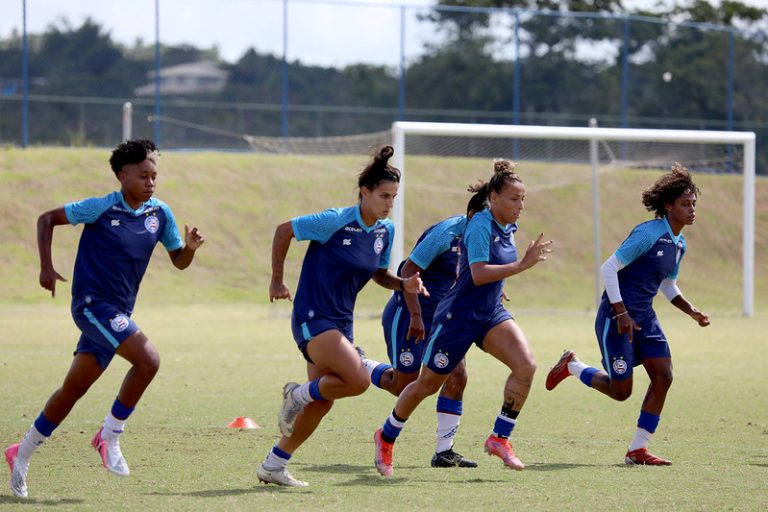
(157,73)
(516,87)
(284,101)
(24,78)
(401,92)
(730,73)
(625,84)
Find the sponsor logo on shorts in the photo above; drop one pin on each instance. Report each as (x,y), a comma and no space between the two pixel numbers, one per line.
(119,323)
(406,358)
(378,246)
(619,367)
(311,314)
(152,224)
(440,360)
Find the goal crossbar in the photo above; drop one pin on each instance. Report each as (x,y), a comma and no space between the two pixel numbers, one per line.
(400,129)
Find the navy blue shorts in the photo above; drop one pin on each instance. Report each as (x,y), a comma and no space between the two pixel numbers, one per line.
(104,327)
(619,355)
(303,332)
(404,354)
(450,339)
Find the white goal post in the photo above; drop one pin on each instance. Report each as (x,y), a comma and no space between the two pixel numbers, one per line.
(403,129)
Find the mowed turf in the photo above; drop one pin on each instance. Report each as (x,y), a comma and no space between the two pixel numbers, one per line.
(222,361)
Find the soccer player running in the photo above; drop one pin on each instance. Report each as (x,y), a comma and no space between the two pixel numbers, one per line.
(471,312)
(407,318)
(627,329)
(120,234)
(348,247)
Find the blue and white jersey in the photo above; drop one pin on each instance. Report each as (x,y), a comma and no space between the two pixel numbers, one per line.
(116,245)
(342,257)
(484,240)
(437,252)
(650,254)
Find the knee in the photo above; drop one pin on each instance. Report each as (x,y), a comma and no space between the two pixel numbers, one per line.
(620,393)
(663,380)
(149,363)
(526,369)
(358,383)
(456,384)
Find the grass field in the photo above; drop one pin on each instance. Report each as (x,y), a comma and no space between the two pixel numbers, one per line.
(226,352)
(223,361)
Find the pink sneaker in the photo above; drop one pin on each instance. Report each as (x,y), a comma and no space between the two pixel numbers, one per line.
(110,453)
(502,449)
(384,452)
(18,482)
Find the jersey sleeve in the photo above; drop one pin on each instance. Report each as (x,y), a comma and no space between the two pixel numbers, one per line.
(385,255)
(170,238)
(434,244)
(477,239)
(318,226)
(88,210)
(680,254)
(639,241)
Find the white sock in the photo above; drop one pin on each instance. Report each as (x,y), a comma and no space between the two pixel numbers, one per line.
(641,440)
(302,395)
(369,365)
(447,426)
(29,445)
(112,429)
(576,367)
(274,462)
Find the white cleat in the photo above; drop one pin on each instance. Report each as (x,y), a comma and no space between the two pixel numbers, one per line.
(18,482)
(279,477)
(289,410)
(110,453)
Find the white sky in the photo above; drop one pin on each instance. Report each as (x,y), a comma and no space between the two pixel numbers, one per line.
(336,34)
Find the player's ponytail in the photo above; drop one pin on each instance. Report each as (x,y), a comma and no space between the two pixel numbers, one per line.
(479,200)
(503,172)
(378,170)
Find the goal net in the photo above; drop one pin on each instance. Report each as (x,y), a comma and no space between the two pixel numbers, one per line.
(584,190)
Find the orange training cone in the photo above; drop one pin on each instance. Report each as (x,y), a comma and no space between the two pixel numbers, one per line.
(243,422)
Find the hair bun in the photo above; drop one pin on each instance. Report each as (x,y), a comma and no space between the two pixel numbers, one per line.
(501,166)
(385,153)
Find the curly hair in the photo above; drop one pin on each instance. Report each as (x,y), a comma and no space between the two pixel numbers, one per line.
(132,152)
(667,188)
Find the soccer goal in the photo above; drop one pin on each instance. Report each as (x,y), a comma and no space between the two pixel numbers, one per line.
(583,191)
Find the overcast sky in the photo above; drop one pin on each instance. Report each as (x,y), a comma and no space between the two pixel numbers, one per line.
(332,34)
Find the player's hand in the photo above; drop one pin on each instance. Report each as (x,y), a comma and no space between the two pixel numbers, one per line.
(537,251)
(414,284)
(48,278)
(627,325)
(416,328)
(279,291)
(700,317)
(192,238)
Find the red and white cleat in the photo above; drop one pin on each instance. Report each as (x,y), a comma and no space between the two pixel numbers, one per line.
(641,457)
(560,372)
(384,451)
(503,449)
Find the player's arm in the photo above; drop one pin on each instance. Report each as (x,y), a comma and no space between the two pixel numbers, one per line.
(183,256)
(675,296)
(416,325)
(484,273)
(412,284)
(610,273)
(280,244)
(45,224)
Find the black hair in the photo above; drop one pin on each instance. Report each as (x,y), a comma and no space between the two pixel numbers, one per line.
(131,152)
(378,170)
(479,201)
(667,188)
(503,172)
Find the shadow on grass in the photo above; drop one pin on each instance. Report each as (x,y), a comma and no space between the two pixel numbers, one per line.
(218,493)
(558,466)
(38,503)
(346,468)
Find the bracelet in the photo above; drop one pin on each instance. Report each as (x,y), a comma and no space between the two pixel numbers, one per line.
(625,312)
(402,285)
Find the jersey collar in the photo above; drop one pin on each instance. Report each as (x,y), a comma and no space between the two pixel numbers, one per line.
(675,239)
(137,211)
(362,224)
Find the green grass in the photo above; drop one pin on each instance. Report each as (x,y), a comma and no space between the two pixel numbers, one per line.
(228,360)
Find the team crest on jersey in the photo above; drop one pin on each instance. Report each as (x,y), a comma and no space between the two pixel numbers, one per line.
(619,367)
(378,245)
(440,360)
(151,224)
(406,358)
(119,323)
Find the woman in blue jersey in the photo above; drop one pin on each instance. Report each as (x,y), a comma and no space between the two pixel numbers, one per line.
(627,329)
(120,234)
(471,312)
(407,318)
(348,247)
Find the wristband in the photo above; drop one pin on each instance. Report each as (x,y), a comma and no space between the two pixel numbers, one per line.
(625,312)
